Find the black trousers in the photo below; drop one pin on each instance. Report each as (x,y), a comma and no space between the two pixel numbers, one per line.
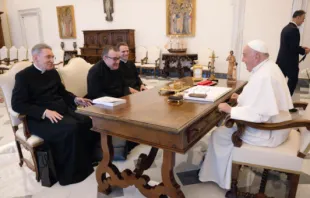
(292,76)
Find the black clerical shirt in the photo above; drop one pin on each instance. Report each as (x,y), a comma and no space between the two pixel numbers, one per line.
(130,74)
(102,81)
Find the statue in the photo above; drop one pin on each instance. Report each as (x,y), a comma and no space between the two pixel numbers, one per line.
(231,73)
(108,9)
(212,67)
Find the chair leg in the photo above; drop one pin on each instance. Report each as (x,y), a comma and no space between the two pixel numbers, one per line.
(263,183)
(294,180)
(20,153)
(154,73)
(232,193)
(34,159)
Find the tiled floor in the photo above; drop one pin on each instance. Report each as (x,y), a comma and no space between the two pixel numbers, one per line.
(16,182)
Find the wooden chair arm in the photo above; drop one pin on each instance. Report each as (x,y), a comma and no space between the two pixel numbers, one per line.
(236,137)
(27,133)
(300,105)
(58,63)
(157,62)
(144,61)
(5,60)
(14,60)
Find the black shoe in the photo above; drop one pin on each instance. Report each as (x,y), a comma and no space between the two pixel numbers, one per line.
(293,110)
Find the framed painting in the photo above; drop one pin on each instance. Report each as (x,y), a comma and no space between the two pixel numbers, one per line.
(181,17)
(66,22)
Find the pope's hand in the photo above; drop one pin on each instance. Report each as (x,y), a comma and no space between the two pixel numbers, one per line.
(224,107)
(234,96)
(133,90)
(53,116)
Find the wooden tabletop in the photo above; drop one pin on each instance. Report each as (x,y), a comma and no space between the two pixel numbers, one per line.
(151,110)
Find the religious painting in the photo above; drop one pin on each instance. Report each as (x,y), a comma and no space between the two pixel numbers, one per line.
(66,22)
(180,16)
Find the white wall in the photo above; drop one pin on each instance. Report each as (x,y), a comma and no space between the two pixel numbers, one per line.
(305,41)
(5,26)
(264,19)
(147,17)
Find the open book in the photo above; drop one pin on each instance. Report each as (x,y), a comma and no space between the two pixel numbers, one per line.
(109,101)
(212,93)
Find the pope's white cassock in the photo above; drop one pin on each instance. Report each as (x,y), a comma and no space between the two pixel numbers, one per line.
(265,98)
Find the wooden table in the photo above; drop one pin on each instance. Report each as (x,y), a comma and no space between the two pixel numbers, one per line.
(147,118)
(177,57)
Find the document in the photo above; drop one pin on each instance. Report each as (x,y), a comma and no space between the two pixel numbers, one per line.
(109,101)
(211,93)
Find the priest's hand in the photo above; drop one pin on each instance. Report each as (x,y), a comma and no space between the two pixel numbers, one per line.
(224,107)
(142,88)
(82,101)
(133,90)
(234,96)
(53,116)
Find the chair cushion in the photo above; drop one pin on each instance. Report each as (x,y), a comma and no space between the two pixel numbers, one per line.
(148,66)
(138,64)
(32,141)
(281,157)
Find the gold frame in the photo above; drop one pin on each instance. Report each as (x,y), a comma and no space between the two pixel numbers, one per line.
(193,20)
(60,12)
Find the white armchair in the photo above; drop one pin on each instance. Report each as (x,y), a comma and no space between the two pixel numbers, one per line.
(141,55)
(287,158)
(29,55)
(4,59)
(153,57)
(13,56)
(18,122)
(22,54)
(59,58)
(74,76)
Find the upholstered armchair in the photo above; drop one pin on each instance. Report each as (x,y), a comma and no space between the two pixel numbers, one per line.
(141,56)
(152,61)
(4,59)
(19,125)
(74,76)
(59,58)
(22,54)
(287,158)
(13,56)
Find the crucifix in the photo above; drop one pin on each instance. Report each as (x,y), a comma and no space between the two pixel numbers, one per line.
(108,9)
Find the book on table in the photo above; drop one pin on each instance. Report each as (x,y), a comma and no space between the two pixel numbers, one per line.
(109,101)
(210,94)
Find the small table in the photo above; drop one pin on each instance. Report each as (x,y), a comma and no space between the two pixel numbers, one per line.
(177,57)
(148,118)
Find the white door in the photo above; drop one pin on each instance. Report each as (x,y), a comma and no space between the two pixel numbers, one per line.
(31,27)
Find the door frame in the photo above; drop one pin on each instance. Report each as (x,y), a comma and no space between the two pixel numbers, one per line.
(30,12)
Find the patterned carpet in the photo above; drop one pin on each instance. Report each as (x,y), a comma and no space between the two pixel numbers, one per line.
(16,182)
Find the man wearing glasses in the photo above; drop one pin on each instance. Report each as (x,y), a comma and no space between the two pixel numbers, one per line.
(105,79)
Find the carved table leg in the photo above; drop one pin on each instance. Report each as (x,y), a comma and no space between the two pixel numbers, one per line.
(173,189)
(145,162)
(180,68)
(166,68)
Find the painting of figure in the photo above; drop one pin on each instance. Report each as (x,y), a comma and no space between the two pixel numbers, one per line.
(66,22)
(181,17)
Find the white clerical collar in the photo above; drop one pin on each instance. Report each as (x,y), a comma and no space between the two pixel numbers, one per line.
(295,24)
(259,66)
(124,61)
(41,70)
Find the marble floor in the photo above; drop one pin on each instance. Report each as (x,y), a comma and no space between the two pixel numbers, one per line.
(19,182)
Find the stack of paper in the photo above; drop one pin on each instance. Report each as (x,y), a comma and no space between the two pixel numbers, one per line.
(213,93)
(109,101)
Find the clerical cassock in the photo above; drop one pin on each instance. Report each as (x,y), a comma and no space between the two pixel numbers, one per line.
(266,98)
(70,138)
(130,74)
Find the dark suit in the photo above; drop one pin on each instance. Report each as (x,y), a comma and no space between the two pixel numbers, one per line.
(130,74)
(70,138)
(288,56)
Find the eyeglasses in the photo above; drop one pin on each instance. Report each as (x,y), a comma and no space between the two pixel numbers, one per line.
(113,58)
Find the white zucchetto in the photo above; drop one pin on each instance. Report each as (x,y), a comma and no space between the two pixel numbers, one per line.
(258,46)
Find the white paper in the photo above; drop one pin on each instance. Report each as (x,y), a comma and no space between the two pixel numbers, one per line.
(109,101)
(213,93)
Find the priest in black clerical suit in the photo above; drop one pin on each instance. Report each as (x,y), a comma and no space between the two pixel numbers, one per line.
(288,56)
(39,94)
(129,69)
(105,78)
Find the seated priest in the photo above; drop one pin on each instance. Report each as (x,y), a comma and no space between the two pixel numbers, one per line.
(49,108)
(129,69)
(265,98)
(105,79)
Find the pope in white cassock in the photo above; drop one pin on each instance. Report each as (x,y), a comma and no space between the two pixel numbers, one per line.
(266,98)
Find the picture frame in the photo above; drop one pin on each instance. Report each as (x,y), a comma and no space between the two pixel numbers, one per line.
(66,22)
(180,17)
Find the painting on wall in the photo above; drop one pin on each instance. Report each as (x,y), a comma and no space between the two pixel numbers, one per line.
(180,16)
(66,22)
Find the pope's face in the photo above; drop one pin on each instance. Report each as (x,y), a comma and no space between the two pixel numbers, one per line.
(249,58)
(44,60)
